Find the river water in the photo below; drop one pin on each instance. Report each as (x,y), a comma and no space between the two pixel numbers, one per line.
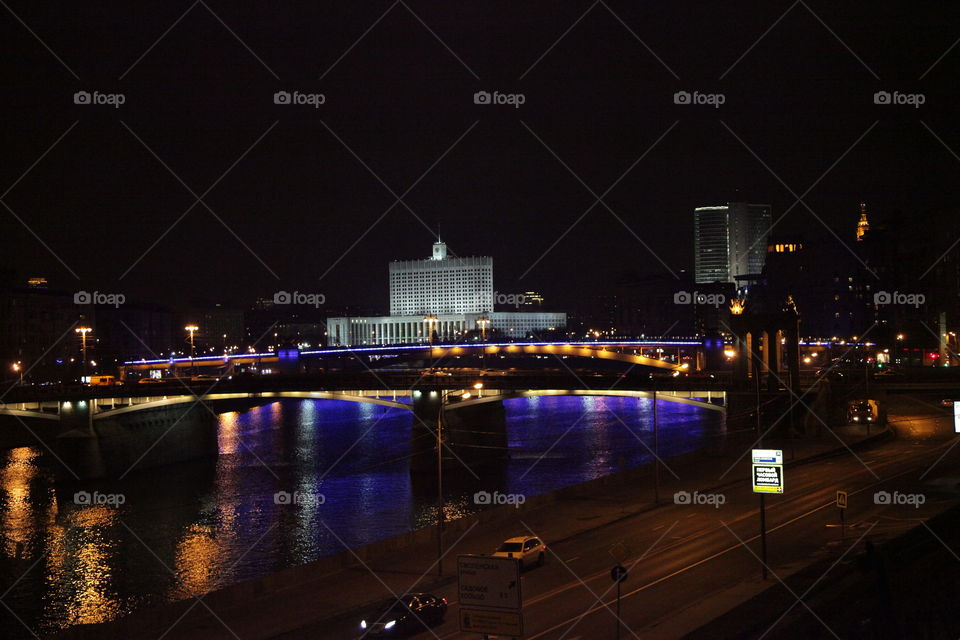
(294,481)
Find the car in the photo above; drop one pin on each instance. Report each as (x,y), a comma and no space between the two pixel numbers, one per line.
(947,402)
(409,614)
(860,411)
(528,550)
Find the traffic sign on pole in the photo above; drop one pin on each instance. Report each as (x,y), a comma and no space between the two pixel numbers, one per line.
(489,582)
(841,499)
(499,623)
(618,573)
(767,471)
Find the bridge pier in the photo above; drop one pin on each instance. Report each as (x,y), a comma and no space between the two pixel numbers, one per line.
(113,446)
(475,433)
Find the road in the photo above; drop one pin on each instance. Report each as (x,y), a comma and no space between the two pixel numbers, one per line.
(691,562)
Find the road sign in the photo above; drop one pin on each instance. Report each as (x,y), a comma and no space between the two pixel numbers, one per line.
(618,573)
(489,582)
(956,417)
(841,499)
(767,471)
(500,623)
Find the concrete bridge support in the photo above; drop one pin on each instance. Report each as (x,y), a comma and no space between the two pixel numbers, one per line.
(113,446)
(476,433)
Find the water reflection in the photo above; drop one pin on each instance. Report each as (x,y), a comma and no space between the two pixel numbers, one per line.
(190,528)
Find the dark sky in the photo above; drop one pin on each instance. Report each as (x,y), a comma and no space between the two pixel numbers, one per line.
(199,89)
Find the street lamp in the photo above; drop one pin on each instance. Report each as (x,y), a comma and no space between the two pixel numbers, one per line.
(191,328)
(484,323)
(18,368)
(430,320)
(83,331)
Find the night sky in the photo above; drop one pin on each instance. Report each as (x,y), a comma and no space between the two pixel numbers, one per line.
(293,187)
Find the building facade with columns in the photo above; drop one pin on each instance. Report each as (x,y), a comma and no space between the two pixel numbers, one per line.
(442,296)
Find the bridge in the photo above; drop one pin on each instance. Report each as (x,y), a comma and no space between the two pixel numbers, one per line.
(669,354)
(102,432)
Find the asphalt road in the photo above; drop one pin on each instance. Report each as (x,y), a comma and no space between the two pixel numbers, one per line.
(689,563)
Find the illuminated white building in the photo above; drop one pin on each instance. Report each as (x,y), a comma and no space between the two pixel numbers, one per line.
(450,295)
(441,284)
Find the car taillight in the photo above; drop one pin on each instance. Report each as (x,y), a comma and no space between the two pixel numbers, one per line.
(444,600)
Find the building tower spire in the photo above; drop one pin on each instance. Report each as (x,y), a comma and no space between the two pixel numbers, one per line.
(863,225)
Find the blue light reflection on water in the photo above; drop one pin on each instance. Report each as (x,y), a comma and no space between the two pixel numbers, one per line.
(198,526)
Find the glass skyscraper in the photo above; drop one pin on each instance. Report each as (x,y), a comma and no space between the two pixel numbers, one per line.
(729,241)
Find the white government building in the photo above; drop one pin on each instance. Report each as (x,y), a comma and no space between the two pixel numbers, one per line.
(455,295)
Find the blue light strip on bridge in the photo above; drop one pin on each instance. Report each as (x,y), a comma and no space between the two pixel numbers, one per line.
(348,350)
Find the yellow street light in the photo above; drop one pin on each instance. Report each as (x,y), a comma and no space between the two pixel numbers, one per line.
(191,328)
(83,331)
(430,320)
(484,323)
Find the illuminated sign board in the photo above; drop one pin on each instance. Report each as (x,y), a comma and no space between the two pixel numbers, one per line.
(767,470)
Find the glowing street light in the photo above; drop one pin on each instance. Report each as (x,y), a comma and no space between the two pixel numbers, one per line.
(431,320)
(18,368)
(484,323)
(191,328)
(83,331)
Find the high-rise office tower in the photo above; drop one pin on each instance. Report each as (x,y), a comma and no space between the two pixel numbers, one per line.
(730,241)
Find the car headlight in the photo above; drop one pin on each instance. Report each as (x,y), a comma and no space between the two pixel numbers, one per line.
(363,624)
(856,418)
(390,624)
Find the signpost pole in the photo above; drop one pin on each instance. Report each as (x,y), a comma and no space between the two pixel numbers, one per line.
(767,472)
(656,451)
(763,534)
(843,533)
(618,611)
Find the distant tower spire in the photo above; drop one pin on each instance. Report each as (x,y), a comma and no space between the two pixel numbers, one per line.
(864,225)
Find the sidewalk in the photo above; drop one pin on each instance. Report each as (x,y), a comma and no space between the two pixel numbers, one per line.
(294,598)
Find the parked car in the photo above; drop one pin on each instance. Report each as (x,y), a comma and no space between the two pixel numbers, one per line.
(527,549)
(412,613)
